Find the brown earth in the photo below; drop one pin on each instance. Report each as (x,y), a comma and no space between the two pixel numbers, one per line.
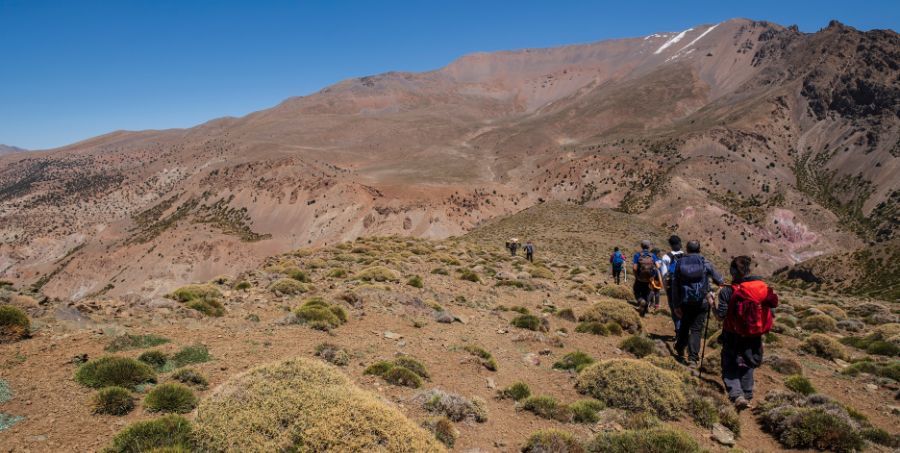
(57,411)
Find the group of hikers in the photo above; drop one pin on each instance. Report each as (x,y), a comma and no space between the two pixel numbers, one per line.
(744,307)
(513,246)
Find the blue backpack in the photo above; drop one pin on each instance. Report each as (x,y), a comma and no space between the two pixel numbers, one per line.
(693,284)
(618,259)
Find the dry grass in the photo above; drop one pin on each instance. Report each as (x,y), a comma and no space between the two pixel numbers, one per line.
(634,385)
(303,405)
(455,407)
(288,287)
(14,324)
(617,311)
(620,292)
(552,441)
(377,274)
(824,346)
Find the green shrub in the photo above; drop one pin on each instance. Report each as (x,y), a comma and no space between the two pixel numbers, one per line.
(657,440)
(552,441)
(487,360)
(889,370)
(377,274)
(114,371)
(703,410)
(613,311)
(520,284)
(814,421)
(170,397)
(638,345)
(378,368)
(729,417)
(337,273)
(874,343)
(595,328)
(547,407)
(415,281)
(568,314)
(443,430)
(196,292)
(288,287)
(298,275)
(819,323)
(585,410)
(242,285)
(881,437)
(541,272)
(14,324)
(190,377)
(530,322)
(634,385)
(440,271)
(113,401)
(333,354)
(517,391)
(412,364)
(575,360)
(520,309)
(129,341)
(403,377)
(197,353)
(156,359)
(170,431)
(469,275)
(799,384)
(824,346)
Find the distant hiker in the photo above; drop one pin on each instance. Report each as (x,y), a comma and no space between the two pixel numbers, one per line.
(529,251)
(617,260)
(667,268)
(513,246)
(644,266)
(690,288)
(746,309)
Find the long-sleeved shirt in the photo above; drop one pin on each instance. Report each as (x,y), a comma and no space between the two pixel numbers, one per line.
(709,272)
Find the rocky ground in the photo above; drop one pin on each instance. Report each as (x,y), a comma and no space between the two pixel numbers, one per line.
(468,293)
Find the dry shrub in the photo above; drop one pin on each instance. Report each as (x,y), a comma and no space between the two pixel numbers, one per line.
(634,385)
(819,323)
(784,365)
(799,421)
(585,410)
(443,430)
(516,391)
(190,377)
(485,357)
(617,311)
(530,322)
(834,311)
(288,287)
(303,405)
(541,272)
(333,354)
(568,314)
(14,324)
(620,292)
(319,314)
(575,360)
(455,407)
(658,440)
(377,274)
(638,345)
(824,346)
(547,407)
(552,441)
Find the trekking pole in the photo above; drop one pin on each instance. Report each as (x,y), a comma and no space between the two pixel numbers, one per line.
(705,335)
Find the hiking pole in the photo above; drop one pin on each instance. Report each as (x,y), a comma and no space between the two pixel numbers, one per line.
(705,335)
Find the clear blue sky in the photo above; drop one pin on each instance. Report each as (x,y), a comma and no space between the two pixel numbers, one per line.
(75,69)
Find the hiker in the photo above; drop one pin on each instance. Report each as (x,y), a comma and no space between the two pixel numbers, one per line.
(745,307)
(529,251)
(667,269)
(513,246)
(656,284)
(617,260)
(644,266)
(690,288)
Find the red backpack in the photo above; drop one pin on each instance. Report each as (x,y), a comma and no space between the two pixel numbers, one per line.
(750,308)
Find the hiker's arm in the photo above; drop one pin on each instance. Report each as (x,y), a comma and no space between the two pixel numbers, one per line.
(711,270)
(722,306)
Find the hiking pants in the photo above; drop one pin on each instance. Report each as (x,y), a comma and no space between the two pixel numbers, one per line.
(529,256)
(737,371)
(641,290)
(617,274)
(691,329)
(675,320)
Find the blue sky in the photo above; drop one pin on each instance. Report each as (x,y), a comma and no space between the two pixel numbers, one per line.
(75,69)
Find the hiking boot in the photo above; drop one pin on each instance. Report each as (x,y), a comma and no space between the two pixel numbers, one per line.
(741,403)
(679,355)
(693,364)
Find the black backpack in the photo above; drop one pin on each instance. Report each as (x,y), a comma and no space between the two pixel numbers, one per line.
(693,284)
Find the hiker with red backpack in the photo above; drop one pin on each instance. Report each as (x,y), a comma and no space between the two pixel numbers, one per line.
(645,269)
(745,307)
(690,288)
(617,260)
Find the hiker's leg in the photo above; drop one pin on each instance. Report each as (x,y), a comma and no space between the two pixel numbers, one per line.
(696,328)
(675,321)
(684,331)
(730,373)
(747,383)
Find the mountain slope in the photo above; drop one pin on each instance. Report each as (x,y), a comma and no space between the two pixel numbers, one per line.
(752,137)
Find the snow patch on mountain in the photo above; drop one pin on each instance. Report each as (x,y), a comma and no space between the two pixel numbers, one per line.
(674,40)
(699,37)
